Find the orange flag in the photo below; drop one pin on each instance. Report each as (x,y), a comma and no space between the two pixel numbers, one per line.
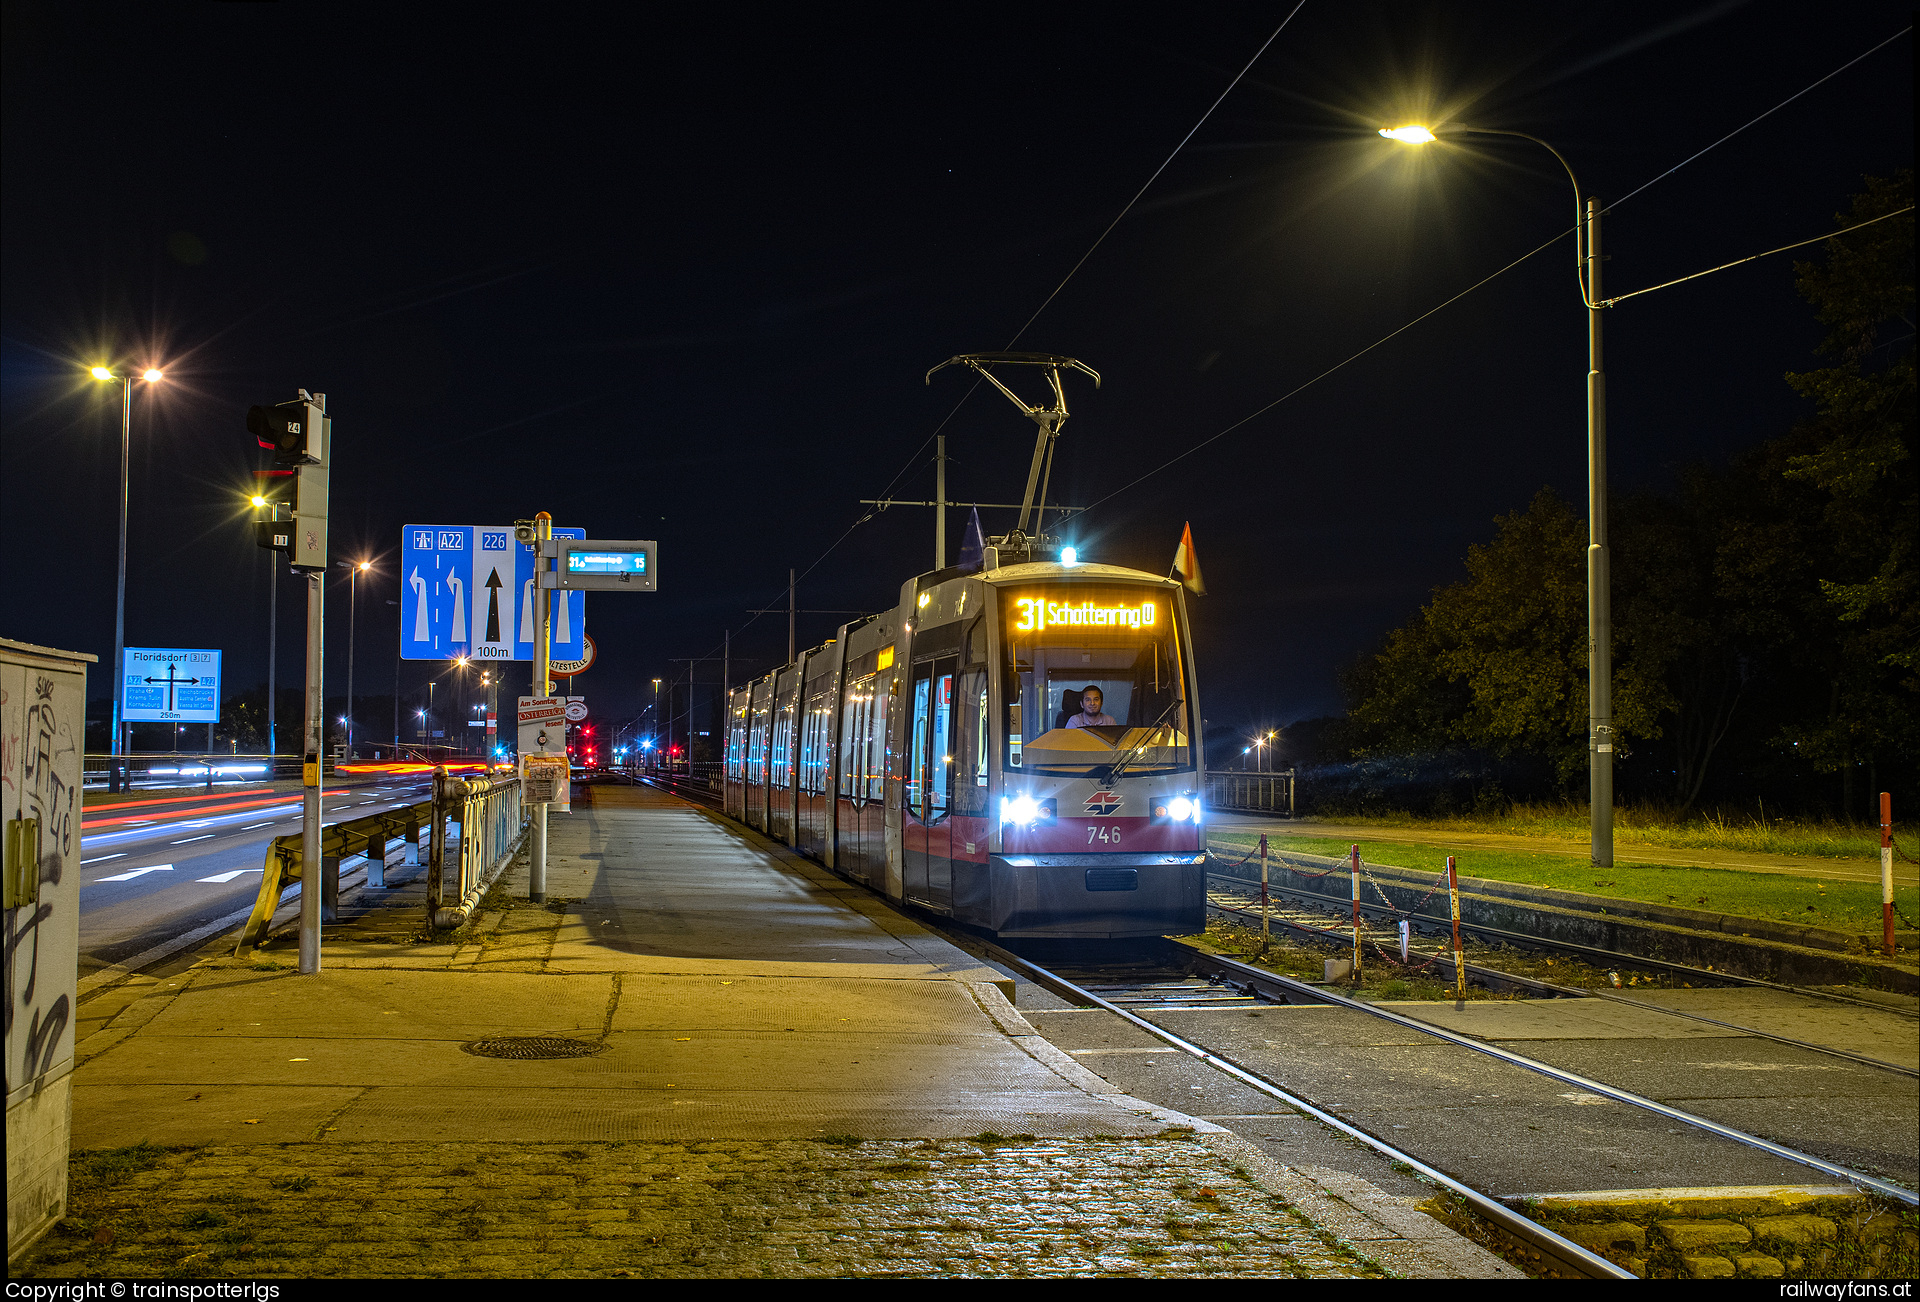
(1186,563)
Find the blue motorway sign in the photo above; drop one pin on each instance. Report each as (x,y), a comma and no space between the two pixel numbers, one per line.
(467,590)
(170,684)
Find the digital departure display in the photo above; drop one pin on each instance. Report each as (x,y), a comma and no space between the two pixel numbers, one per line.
(604,562)
(1040,613)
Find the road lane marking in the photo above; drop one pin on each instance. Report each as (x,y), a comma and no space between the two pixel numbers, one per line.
(227,877)
(132,873)
(204,836)
(103,858)
(250,826)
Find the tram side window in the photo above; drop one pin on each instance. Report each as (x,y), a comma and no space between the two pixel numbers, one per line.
(875,765)
(804,777)
(970,743)
(931,770)
(782,756)
(852,712)
(736,746)
(757,748)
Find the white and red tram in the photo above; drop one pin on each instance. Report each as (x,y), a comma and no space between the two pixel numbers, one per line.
(933,751)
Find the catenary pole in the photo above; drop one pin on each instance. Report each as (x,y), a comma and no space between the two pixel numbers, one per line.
(1599,583)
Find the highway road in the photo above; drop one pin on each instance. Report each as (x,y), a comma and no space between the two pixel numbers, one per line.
(162,865)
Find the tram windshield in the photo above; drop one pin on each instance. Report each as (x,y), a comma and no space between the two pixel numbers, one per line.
(1065,643)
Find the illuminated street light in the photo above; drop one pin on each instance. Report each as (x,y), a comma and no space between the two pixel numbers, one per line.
(354,571)
(1587,258)
(117,744)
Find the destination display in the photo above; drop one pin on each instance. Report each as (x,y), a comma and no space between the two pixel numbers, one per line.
(1038,614)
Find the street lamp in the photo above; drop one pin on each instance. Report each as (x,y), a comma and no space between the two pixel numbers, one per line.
(1586,253)
(273,632)
(115,776)
(354,570)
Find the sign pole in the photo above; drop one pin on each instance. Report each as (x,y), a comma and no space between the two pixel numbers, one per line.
(311,521)
(311,748)
(542,686)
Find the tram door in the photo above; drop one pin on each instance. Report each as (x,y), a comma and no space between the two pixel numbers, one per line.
(926,828)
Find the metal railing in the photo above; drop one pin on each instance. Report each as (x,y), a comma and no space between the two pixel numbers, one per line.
(492,823)
(481,819)
(1257,793)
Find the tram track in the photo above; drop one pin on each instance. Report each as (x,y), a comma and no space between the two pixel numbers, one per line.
(1166,987)
(1497,980)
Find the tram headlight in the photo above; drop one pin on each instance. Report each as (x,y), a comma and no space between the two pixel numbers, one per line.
(1021,809)
(1179,809)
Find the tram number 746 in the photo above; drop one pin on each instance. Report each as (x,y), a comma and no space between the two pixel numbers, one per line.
(1105,835)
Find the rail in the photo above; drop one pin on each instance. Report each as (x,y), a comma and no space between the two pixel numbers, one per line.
(1254,793)
(491,823)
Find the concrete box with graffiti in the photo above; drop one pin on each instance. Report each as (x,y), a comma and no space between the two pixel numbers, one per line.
(43,699)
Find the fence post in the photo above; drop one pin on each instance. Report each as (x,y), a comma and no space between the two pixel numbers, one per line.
(1459,963)
(436,841)
(377,858)
(1356,914)
(1266,933)
(1886,869)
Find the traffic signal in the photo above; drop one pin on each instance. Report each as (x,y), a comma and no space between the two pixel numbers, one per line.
(299,434)
(292,430)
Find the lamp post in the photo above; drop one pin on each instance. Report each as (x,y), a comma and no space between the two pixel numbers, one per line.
(354,570)
(116,777)
(273,632)
(1586,252)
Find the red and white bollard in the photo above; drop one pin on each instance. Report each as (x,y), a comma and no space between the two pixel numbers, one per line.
(1459,962)
(1886,869)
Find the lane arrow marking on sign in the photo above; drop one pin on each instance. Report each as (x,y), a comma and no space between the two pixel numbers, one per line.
(493,605)
(459,608)
(420,630)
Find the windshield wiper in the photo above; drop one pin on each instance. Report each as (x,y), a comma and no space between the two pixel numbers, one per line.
(1119,766)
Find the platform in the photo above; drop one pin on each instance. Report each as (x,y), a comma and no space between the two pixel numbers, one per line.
(747,1016)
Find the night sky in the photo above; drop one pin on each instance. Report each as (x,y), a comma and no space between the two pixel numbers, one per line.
(678,273)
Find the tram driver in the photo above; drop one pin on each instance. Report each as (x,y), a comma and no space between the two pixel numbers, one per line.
(1091,699)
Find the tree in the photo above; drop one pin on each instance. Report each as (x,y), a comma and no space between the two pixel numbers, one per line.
(1856,455)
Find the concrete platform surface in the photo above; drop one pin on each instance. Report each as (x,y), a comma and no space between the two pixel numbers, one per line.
(745,1022)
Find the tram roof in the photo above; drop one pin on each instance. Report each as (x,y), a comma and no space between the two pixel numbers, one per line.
(1029,571)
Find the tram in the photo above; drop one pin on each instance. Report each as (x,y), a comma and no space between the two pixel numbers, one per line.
(948,752)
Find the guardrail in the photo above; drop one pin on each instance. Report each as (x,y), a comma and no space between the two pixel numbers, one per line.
(490,824)
(1256,793)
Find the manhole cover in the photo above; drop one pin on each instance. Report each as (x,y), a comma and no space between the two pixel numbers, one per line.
(530,1046)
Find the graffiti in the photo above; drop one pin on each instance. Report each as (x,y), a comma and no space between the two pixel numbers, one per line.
(45,748)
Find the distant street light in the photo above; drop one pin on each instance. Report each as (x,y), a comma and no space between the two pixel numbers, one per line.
(1586,252)
(115,771)
(354,570)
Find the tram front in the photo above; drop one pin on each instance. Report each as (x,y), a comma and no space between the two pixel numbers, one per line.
(1097,825)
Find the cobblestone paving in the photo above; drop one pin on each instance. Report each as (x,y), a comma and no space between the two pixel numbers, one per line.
(1153,1208)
